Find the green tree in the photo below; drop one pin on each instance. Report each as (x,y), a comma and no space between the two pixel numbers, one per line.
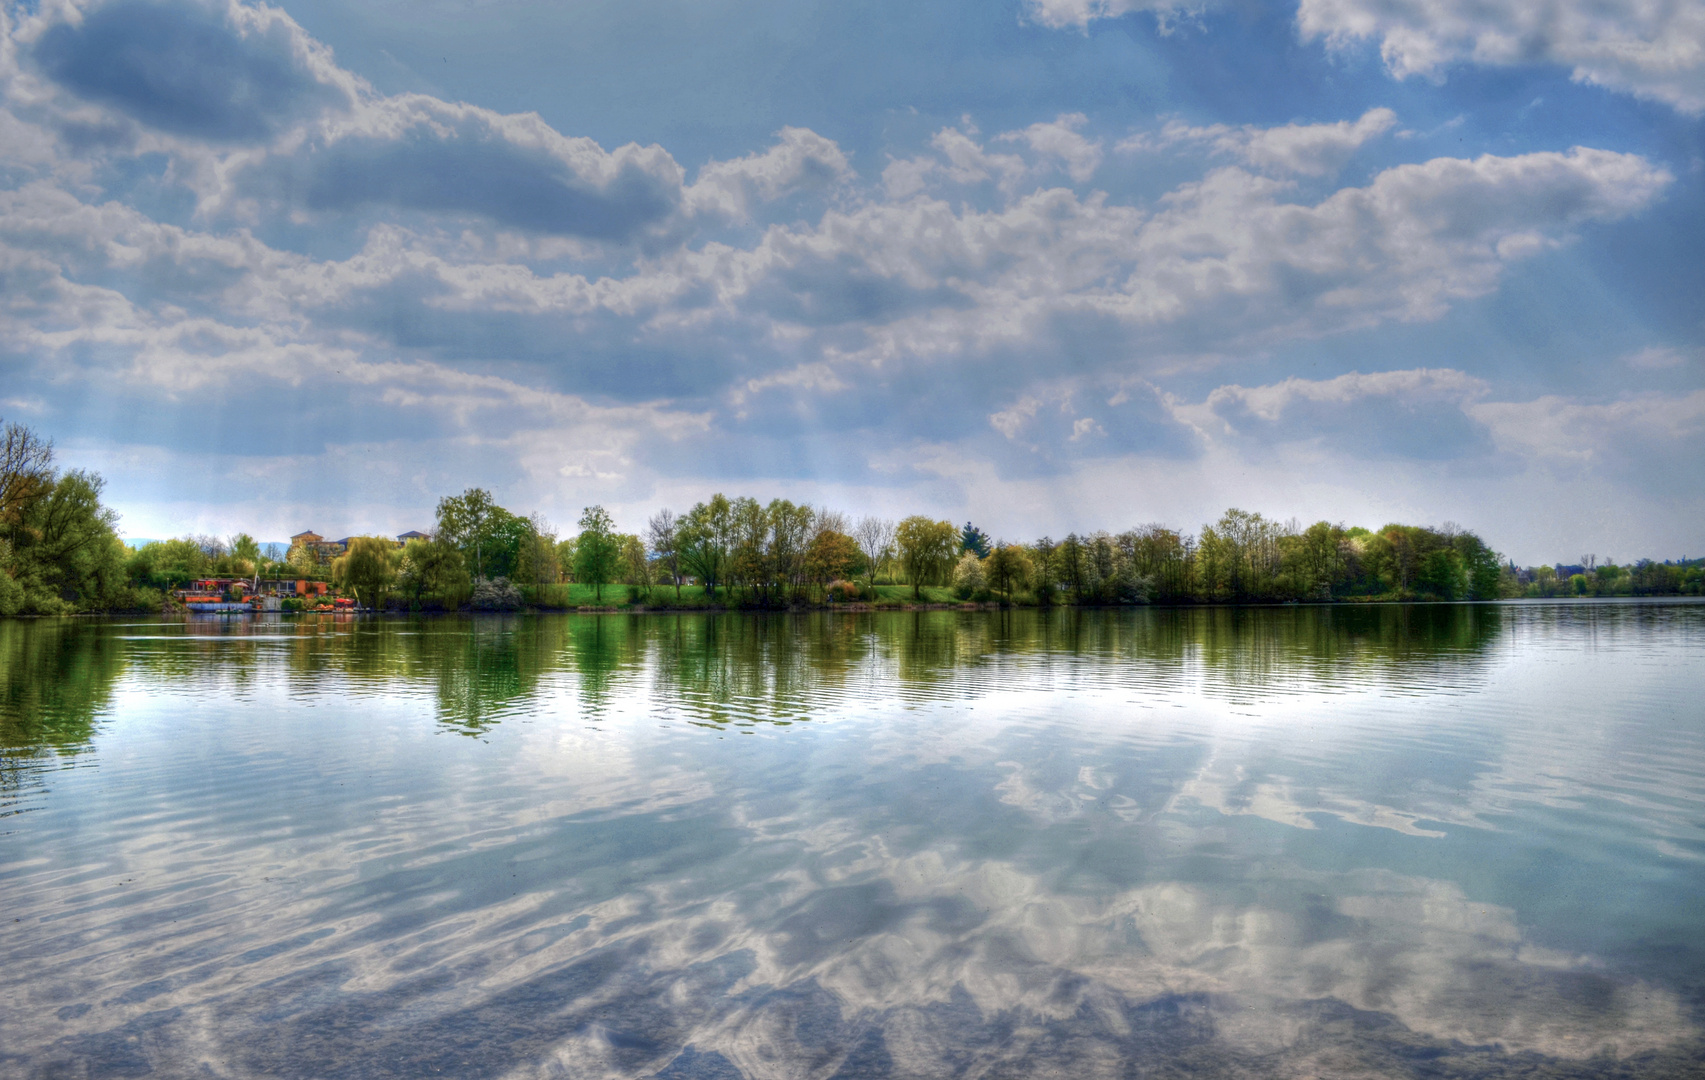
(830,557)
(245,549)
(1441,575)
(1312,561)
(538,555)
(365,569)
(64,552)
(1070,561)
(969,576)
(434,568)
(465,521)
(975,540)
(704,539)
(792,527)
(926,550)
(1008,568)
(167,564)
(635,566)
(1044,571)
(1483,566)
(597,550)
(749,562)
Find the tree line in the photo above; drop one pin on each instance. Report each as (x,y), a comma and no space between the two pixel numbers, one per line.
(59,553)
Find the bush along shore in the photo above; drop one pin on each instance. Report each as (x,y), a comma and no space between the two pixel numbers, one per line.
(60,554)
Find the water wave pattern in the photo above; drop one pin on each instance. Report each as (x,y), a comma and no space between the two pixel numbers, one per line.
(1390,842)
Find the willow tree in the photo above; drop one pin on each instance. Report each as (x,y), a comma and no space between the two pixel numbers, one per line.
(366,569)
(926,550)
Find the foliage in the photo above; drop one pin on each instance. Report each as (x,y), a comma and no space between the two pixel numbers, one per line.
(365,569)
(597,551)
(59,554)
(1008,568)
(489,537)
(497,594)
(537,561)
(433,568)
(968,575)
(704,538)
(830,556)
(926,550)
(974,540)
(635,566)
(58,550)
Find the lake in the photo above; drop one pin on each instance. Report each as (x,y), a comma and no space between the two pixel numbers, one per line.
(1391,840)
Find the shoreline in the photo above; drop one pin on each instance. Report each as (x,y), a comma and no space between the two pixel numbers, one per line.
(866,608)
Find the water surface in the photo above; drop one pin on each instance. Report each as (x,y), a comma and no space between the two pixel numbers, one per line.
(1417,841)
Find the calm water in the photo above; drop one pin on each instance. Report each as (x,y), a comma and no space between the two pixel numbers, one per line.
(1434,841)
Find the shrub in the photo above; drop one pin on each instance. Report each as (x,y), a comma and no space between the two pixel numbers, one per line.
(841,591)
(497,594)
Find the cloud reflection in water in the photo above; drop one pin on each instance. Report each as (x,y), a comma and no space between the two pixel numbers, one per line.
(981,849)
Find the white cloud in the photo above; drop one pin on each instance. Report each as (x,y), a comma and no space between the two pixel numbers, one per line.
(801,161)
(1060,14)
(480,242)
(1302,149)
(1055,146)
(1651,48)
(1059,139)
(1312,149)
(1636,433)
(1657,358)
(258,119)
(1271,402)
(1229,253)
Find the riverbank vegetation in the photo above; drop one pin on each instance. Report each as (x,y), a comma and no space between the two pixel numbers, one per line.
(59,554)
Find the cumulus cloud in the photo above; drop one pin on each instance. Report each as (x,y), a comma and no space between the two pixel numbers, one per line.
(1060,141)
(418,153)
(1624,446)
(218,71)
(1416,414)
(826,305)
(1652,50)
(260,118)
(1077,418)
(801,161)
(1636,436)
(1231,254)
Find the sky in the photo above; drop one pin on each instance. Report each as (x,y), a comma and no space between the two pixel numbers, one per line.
(1044,265)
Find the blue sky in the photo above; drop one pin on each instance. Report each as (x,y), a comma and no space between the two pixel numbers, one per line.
(1046,264)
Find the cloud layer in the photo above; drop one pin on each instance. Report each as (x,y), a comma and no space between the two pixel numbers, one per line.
(202,206)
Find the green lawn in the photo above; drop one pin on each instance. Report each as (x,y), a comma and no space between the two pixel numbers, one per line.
(693,596)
